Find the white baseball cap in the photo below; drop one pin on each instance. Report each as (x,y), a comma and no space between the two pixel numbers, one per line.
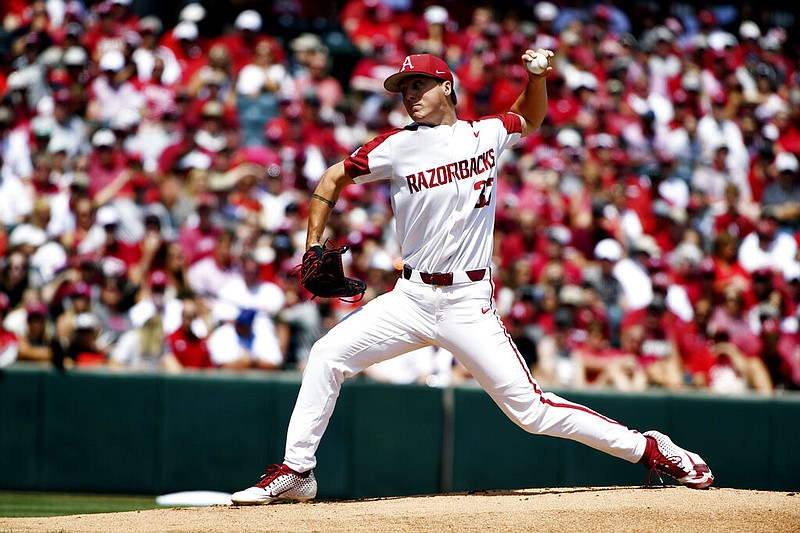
(186,31)
(435,15)
(251,80)
(107,215)
(104,137)
(248,20)
(545,11)
(193,13)
(112,60)
(786,162)
(75,56)
(749,30)
(608,249)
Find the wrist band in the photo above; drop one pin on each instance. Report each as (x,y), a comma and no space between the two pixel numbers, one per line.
(323,199)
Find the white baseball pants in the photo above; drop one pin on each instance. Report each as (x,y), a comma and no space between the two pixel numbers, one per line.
(462,319)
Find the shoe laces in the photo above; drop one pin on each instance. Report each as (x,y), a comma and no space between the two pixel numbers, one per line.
(671,465)
(273,471)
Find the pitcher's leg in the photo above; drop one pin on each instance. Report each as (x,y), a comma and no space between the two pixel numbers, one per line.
(382,329)
(485,348)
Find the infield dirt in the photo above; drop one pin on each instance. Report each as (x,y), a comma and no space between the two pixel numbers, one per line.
(597,509)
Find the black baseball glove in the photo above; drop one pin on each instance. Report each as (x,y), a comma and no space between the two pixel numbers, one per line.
(322,274)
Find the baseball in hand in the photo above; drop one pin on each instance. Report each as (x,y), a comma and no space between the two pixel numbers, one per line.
(538,64)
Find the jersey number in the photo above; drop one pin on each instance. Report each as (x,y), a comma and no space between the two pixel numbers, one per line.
(485,197)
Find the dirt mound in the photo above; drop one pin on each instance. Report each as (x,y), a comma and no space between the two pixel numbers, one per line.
(601,509)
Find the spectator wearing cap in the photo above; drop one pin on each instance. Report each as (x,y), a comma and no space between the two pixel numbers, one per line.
(650,334)
(553,249)
(104,238)
(732,220)
(783,194)
(243,200)
(712,177)
(556,362)
(631,271)
(212,134)
(68,131)
(144,347)
(32,233)
(111,307)
(9,344)
(766,246)
(735,339)
(207,276)
(240,343)
(607,366)
(76,64)
(245,36)
(80,349)
(610,292)
(314,80)
(249,290)
(110,93)
(157,296)
(123,15)
(189,348)
(199,235)
(189,49)
(16,154)
(35,341)
(102,33)
(109,176)
(435,33)
(153,60)
(715,129)
(260,85)
(78,301)
(364,20)
(80,223)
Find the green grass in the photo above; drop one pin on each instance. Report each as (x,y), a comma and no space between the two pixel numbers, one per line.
(18,504)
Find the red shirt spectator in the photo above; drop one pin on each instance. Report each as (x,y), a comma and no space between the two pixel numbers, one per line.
(190,349)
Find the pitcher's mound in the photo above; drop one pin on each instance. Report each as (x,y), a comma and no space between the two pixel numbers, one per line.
(595,509)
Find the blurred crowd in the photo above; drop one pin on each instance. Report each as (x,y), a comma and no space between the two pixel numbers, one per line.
(155,181)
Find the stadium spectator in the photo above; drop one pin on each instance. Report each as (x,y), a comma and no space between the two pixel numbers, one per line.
(35,342)
(241,343)
(189,348)
(9,344)
(144,348)
(694,153)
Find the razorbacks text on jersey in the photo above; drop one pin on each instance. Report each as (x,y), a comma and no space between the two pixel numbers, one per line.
(442,179)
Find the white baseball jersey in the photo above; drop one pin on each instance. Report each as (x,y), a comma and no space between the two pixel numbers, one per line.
(442,183)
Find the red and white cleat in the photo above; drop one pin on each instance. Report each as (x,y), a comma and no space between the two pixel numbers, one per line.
(663,455)
(278,484)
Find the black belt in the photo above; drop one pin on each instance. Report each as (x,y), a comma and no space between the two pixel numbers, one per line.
(443,278)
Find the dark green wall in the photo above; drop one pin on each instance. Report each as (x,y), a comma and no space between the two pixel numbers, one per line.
(152,434)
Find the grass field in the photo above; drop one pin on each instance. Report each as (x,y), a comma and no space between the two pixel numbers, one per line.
(17,504)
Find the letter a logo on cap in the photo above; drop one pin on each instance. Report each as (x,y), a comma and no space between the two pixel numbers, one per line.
(407,65)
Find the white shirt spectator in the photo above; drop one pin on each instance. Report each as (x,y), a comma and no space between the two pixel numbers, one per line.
(72,136)
(713,133)
(15,202)
(15,149)
(226,346)
(779,255)
(113,99)
(206,278)
(636,285)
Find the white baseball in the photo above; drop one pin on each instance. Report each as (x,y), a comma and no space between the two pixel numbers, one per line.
(538,64)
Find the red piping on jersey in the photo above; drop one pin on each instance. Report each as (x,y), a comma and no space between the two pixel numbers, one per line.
(535,386)
(358,162)
(511,121)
